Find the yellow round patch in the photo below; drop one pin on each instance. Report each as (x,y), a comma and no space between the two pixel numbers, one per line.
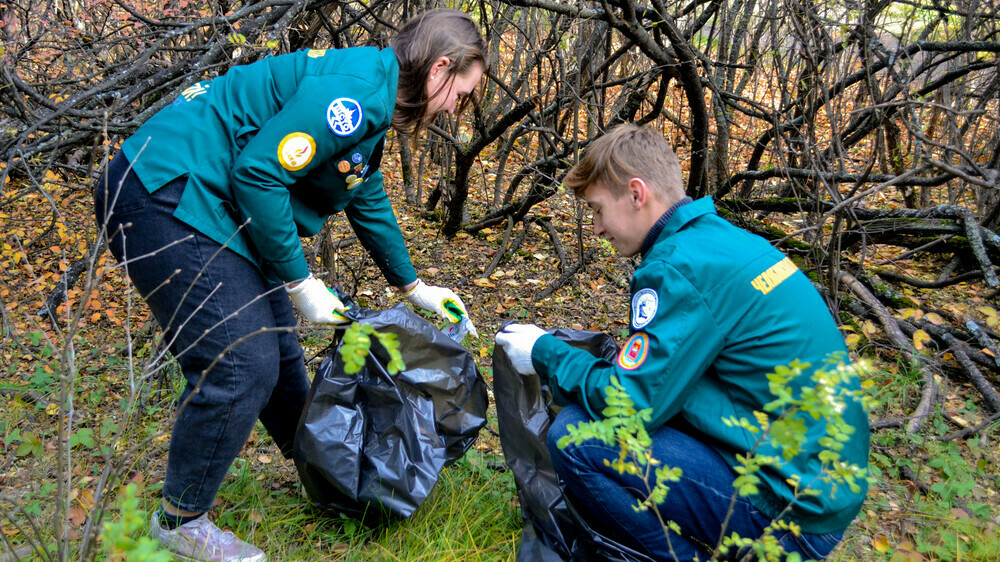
(634,352)
(295,151)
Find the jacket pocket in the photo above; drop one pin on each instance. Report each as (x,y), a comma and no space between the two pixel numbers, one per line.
(120,190)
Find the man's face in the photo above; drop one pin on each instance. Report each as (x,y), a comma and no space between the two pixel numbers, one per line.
(616,219)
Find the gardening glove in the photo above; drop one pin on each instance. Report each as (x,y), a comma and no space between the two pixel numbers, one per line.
(440,300)
(317,303)
(517,340)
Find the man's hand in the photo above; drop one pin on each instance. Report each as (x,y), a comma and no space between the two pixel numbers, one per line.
(316,303)
(440,300)
(517,340)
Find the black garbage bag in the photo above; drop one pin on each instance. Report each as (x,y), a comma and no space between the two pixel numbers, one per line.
(553,529)
(372,445)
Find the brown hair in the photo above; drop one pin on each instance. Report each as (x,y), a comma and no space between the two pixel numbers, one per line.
(625,152)
(421,41)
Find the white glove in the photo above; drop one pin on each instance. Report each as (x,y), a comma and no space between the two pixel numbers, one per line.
(317,303)
(440,300)
(517,341)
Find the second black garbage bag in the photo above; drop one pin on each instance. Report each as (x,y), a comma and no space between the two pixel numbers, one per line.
(553,529)
(372,445)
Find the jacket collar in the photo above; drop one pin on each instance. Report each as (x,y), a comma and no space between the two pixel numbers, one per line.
(676,217)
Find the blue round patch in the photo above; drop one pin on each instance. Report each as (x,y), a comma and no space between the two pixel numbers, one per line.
(344,116)
(356,157)
(644,305)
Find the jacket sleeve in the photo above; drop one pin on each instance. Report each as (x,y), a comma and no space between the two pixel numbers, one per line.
(373,220)
(658,365)
(297,139)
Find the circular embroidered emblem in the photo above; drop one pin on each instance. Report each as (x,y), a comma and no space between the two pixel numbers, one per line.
(295,151)
(634,352)
(644,308)
(344,116)
(357,158)
(343,166)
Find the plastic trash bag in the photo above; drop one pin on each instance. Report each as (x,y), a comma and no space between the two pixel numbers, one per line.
(553,529)
(371,445)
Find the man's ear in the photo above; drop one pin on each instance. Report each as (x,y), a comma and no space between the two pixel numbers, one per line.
(639,191)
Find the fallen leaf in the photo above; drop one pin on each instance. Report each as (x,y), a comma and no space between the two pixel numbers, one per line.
(881,543)
(86,499)
(77,516)
(934,318)
(959,513)
(920,338)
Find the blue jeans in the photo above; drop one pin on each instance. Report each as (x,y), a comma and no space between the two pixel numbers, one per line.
(698,503)
(230,329)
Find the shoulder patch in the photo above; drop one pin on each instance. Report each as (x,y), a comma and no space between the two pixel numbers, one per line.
(316,53)
(344,116)
(644,305)
(634,352)
(295,151)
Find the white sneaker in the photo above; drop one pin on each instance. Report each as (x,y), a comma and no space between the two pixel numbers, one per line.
(200,540)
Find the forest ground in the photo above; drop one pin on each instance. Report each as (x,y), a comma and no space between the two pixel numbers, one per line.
(933,497)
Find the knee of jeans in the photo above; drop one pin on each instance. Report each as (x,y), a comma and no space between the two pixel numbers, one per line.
(262,371)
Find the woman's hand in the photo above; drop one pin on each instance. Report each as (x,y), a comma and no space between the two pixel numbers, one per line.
(440,300)
(315,302)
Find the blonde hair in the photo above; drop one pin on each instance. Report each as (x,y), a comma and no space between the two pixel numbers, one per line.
(421,41)
(625,152)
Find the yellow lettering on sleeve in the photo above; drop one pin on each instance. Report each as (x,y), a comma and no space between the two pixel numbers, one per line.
(774,276)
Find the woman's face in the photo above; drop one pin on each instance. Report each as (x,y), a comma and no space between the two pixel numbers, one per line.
(444,94)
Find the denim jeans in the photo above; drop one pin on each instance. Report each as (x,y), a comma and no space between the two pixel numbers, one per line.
(698,503)
(230,329)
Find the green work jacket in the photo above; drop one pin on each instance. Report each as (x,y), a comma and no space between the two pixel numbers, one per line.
(714,310)
(272,148)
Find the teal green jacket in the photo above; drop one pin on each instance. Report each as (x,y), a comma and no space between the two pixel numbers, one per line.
(714,310)
(271,149)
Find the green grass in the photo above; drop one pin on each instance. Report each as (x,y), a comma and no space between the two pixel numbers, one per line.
(470,515)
